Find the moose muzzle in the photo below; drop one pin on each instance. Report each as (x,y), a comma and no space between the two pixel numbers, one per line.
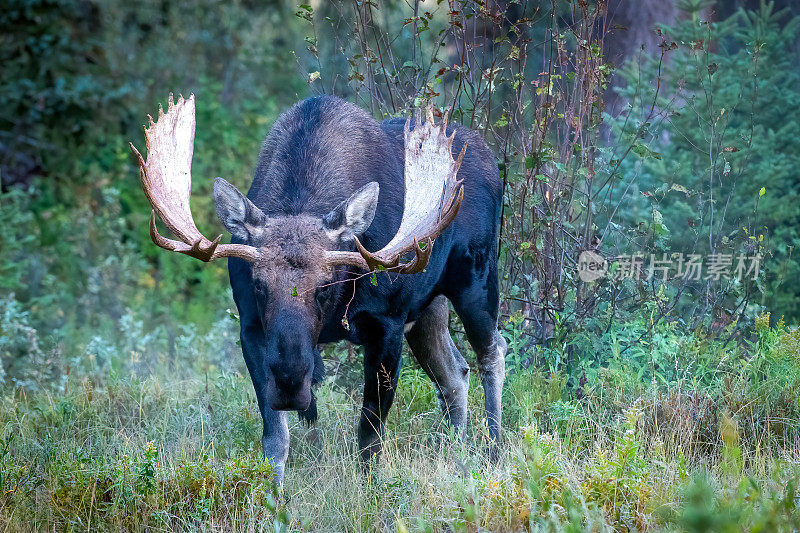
(289,391)
(290,362)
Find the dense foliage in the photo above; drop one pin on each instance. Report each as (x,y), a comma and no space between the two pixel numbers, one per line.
(720,165)
(79,80)
(649,442)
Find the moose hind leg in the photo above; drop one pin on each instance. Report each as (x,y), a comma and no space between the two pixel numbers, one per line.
(477,306)
(491,365)
(430,342)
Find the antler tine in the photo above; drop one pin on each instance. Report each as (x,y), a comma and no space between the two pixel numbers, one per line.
(422,255)
(200,250)
(375,261)
(166,181)
(429,115)
(445,117)
(139,158)
(460,155)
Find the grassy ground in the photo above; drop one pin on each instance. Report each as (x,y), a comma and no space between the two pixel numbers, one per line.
(621,453)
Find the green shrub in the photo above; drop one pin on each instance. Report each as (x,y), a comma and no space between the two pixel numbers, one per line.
(717,163)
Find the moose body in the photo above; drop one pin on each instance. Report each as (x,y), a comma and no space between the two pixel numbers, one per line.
(330,177)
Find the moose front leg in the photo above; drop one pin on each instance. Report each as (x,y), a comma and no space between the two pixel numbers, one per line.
(381,369)
(275,437)
(275,440)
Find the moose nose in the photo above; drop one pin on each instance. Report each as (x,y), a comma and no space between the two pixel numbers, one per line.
(291,388)
(291,392)
(292,362)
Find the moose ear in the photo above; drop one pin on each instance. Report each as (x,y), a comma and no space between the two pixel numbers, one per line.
(352,217)
(237,213)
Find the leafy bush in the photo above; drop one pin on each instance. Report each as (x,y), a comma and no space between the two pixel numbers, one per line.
(20,350)
(717,165)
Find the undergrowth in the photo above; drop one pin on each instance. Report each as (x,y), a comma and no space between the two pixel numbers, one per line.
(114,446)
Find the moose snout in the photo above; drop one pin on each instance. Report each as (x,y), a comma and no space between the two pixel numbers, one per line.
(289,391)
(290,360)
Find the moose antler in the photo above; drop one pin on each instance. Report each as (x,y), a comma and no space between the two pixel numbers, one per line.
(167,183)
(432,199)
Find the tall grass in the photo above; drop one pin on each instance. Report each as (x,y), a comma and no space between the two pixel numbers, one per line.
(150,451)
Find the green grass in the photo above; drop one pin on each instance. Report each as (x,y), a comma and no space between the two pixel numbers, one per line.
(109,453)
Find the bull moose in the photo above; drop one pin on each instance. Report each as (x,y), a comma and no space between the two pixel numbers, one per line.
(331,184)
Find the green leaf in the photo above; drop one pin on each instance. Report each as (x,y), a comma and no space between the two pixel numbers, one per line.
(530,162)
(643,151)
